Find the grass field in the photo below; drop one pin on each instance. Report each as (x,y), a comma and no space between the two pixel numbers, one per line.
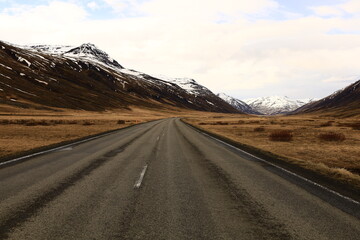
(327,145)
(25,130)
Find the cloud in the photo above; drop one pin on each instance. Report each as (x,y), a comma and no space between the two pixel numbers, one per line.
(124,7)
(117,5)
(327,11)
(346,79)
(246,56)
(350,7)
(92,5)
(205,10)
(54,12)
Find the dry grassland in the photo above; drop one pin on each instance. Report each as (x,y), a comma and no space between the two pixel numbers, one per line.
(327,145)
(22,130)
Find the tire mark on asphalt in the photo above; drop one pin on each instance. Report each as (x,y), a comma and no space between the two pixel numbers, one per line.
(123,232)
(264,225)
(27,211)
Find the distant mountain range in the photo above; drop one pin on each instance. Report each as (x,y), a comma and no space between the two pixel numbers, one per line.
(87,78)
(342,103)
(275,104)
(265,105)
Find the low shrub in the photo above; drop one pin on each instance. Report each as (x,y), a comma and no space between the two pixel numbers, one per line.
(254,121)
(22,121)
(29,123)
(55,122)
(327,124)
(5,122)
(43,123)
(35,123)
(281,136)
(88,123)
(259,129)
(221,123)
(332,136)
(355,126)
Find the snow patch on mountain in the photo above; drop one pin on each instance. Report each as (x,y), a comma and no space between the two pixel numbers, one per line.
(238,104)
(23,60)
(52,49)
(188,84)
(87,52)
(131,72)
(276,104)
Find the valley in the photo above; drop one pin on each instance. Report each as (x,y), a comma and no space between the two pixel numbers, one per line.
(51,95)
(179,120)
(73,120)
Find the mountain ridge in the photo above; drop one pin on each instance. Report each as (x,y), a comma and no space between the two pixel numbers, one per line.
(85,77)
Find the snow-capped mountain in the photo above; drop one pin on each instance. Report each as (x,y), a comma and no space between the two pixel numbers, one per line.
(238,104)
(344,102)
(85,77)
(275,104)
(86,51)
(188,84)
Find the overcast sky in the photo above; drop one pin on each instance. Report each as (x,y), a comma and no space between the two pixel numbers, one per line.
(297,48)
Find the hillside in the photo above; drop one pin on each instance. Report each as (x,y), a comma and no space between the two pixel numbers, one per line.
(87,78)
(345,103)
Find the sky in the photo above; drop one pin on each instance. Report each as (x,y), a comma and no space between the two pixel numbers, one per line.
(300,49)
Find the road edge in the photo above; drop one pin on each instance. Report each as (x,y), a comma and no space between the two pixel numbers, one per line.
(343,188)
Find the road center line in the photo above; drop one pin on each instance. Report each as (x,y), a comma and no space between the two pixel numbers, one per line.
(139,181)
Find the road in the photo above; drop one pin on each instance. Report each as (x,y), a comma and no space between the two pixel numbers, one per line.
(164,180)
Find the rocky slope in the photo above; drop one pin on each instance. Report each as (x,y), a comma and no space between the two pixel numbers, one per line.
(86,77)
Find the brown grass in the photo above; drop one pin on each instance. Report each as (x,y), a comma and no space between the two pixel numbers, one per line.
(23,130)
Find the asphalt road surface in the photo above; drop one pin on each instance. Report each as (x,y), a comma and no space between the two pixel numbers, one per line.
(165,180)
